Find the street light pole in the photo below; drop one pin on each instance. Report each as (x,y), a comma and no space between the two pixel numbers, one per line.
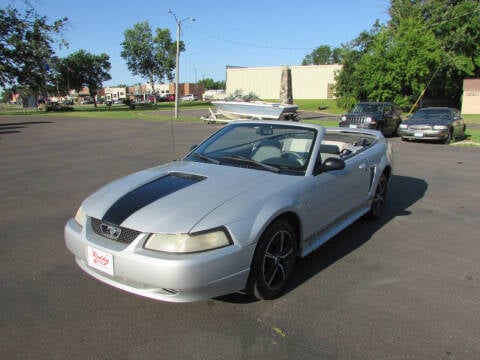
(177,59)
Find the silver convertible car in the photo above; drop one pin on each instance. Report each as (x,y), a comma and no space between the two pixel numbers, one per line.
(234,214)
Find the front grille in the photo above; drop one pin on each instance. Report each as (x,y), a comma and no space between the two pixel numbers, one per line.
(356,119)
(126,236)
(420,127)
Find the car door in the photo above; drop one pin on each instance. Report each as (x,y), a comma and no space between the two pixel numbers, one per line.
(389,121)
(332,196)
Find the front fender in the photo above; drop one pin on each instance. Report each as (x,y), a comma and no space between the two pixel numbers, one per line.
(247,219)
(266,214)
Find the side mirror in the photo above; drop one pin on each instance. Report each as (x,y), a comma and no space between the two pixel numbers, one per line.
(331,163)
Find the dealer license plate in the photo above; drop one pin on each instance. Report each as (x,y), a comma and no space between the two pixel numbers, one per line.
(100,260)
(418,134)
(353,126)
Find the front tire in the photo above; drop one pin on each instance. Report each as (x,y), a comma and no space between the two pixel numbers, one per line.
(273,261)
(449,139)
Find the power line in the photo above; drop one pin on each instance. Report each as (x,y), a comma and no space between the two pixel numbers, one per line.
(262,46)
(241,43)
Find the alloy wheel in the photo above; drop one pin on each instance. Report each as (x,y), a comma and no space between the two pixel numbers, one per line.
(378,203)
(277,259)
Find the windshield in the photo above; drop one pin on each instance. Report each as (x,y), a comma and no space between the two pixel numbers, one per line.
(367,108)
(432,114)
(268,147)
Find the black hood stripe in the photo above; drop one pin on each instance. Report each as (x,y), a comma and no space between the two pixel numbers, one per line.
(147,194)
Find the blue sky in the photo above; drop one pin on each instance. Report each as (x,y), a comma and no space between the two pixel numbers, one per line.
(241,33)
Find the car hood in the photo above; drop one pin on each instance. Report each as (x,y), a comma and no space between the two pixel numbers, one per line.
(421,121)
(172,197)
(365,114)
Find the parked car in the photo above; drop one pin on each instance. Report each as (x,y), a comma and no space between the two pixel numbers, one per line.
(433,123)
(382,116)
(167,97)
(189,97)
(234,213)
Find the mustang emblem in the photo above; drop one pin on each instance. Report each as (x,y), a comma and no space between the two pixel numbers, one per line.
(110,231)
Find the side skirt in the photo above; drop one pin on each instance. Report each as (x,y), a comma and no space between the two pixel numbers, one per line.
(322,236)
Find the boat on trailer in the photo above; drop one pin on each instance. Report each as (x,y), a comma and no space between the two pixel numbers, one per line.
(226,110)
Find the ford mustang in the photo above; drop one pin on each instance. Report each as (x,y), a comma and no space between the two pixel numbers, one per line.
(234,213)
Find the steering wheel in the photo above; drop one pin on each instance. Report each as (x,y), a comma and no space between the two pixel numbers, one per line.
(294,156)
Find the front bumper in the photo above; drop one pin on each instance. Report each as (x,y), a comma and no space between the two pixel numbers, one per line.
(161,276)
(423,134)
(371,126)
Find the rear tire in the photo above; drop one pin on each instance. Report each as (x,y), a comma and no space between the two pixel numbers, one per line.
(379,200)
(273,261)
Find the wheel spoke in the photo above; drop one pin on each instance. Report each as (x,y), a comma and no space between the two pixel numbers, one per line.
(282,242)
(269,256)
(282,272)
(271,277)
(287,254)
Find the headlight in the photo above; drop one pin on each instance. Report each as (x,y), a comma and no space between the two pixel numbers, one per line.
(343,118)
(188,243)
(368,119)
(80,217)
(440,127)
(403,126)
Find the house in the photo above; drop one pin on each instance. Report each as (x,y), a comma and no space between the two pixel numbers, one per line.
(144,91)
(114,94)
(471,96)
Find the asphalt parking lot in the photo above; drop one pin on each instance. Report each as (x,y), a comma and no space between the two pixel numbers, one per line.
(406,287)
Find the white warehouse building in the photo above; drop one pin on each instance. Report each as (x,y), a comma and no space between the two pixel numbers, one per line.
(308,82)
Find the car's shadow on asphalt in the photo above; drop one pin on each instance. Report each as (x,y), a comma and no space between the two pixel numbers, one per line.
(403,192)
(13,127)
(25,123)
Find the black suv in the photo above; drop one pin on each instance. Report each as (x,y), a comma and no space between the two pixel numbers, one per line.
(382,116)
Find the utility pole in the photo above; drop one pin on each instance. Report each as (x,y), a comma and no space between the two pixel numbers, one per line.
(177,59)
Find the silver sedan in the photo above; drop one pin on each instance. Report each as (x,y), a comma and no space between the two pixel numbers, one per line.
(234,214)
(433,123)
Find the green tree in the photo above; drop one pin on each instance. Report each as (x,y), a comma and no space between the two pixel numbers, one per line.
(84,69)
(430,45)
(209,83)
(399,64)
(455,25)
(26,48)
(6,95)
(151,57)
(323,55)
(349,86)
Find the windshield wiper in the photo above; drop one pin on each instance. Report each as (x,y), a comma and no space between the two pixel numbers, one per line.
(205,158)
(244,160)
